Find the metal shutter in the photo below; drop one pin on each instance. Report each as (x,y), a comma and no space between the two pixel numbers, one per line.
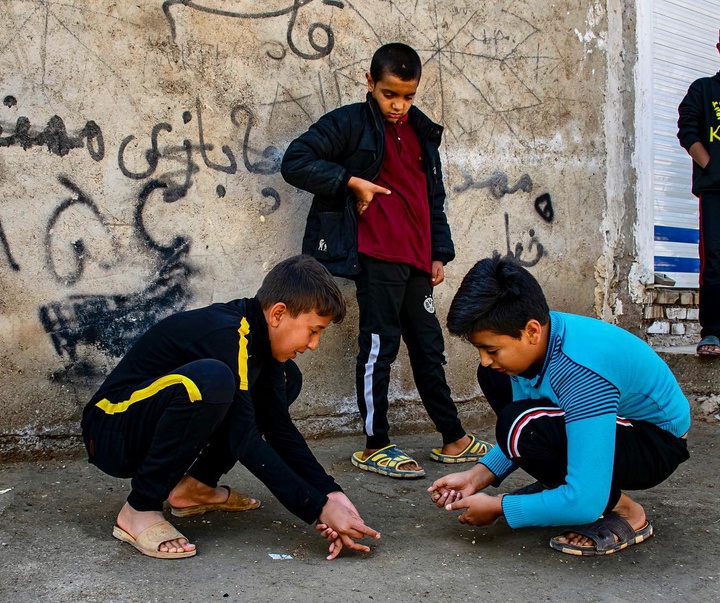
(684,36)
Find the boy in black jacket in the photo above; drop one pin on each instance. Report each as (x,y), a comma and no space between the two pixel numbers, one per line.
(198,391)
(699,134)
(378,217)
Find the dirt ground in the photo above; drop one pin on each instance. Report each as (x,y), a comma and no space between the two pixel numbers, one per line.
(56,520)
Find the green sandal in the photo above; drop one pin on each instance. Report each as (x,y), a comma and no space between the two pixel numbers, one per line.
(386,462)
(475,450)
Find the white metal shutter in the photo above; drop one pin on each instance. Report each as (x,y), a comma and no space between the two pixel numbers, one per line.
(684,36)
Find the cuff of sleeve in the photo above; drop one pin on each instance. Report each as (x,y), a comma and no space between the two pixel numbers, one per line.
(344,182)
(689,140)
(512,510)
(498,464)
(312,508)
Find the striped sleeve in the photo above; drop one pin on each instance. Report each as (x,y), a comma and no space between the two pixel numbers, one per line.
(581,392)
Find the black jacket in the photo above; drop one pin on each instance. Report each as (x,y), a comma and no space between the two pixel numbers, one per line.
(699,121)
(350,141)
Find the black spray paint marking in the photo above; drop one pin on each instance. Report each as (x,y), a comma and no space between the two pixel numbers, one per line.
(6,248)
(9,101)
(56,138)
(78,246)
(544,207)
(220,190)
(497,184)
(113,322)
(272,193)
(272,156)
(516,254)
(152,155)
(321,49)
(228,169)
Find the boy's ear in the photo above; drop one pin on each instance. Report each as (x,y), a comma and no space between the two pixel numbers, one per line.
(370,81)
(534,330)
(275,314)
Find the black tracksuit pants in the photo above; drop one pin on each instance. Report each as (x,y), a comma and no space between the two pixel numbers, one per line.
(710,264)
(395,300)
(157,439)
(645,454)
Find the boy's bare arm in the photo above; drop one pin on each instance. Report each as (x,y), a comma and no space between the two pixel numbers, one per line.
(699,154)
(365,192)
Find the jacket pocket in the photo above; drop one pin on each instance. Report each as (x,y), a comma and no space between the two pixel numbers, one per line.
(334,238)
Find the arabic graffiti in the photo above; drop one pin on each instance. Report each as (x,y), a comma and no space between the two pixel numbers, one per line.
(113,322)
(321,48)
(55,137)
(6,248)
(517,252)
(497,184)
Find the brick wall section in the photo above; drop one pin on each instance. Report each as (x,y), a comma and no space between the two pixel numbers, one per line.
(671,316)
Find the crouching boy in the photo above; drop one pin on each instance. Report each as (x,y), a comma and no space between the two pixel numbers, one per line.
(198,391)
(584,407)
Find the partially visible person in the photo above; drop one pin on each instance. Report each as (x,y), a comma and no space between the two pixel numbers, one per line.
(586,408)
(699,135)
(378,217)
(204,389)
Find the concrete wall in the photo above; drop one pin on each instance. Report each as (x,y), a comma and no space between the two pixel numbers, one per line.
(139,160)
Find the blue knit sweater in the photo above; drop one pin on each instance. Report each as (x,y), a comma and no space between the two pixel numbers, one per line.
(595,372)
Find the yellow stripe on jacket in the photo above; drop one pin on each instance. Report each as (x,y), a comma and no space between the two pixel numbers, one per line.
(113,408)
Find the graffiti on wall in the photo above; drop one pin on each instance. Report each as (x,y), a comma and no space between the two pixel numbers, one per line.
(497,66)
(321,48)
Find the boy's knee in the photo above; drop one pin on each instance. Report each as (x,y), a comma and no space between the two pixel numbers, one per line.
(214,379)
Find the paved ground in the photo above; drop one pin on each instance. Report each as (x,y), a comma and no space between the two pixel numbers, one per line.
(55,543)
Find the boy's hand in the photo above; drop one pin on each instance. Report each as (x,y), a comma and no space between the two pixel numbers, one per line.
(324,529)
(437,273)
(365,192)
(456,486)
(480,509)
(348,525)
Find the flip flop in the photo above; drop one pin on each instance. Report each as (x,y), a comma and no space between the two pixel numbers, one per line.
(386,462)
(148,541)
(709,346)
(236,501)
(611,533)
(474,451)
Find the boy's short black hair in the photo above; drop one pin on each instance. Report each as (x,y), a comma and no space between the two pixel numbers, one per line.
(304,285)
(497,295)
(396,59)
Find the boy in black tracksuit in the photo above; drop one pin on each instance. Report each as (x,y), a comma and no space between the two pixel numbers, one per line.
(699,134)
(198,391)
(378,217)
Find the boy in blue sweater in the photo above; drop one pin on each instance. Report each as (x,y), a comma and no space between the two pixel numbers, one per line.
(584,407)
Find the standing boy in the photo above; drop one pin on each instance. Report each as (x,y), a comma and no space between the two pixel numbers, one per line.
(699,134)
(378,217)
(206,388)
(583,406)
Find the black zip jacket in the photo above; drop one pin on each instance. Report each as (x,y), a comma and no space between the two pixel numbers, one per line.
(699,121)
(350,141)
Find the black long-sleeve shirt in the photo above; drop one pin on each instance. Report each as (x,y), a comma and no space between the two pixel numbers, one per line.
(699,121)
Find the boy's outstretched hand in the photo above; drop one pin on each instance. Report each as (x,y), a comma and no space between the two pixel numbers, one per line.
(479,509)
(456,486)
(340,522)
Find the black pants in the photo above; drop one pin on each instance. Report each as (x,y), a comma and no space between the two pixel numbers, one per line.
(710,264)
(157,437)
(395,300)
(645,455)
